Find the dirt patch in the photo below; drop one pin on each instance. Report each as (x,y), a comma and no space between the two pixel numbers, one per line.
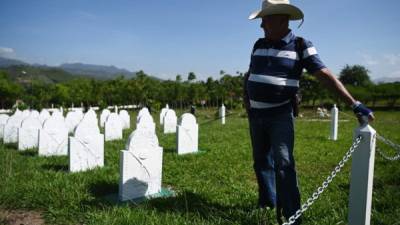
(20,217)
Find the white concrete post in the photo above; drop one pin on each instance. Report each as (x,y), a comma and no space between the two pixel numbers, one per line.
(116,109)
(362,175)
(334,122)
(222,114)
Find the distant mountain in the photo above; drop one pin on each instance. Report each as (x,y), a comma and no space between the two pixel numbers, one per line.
(6,62)
(97,71)
(27,73)
(387,80)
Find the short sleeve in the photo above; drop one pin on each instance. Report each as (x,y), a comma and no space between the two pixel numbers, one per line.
(311,60)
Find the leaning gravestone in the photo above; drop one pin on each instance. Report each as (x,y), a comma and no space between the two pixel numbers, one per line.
(124,115)
(113,127)
(187,134)
(140,166)
(44,115)
(28,133)
(170,122)
(103,116)
(53,137)
(10,134)
(86,148)
(146,122)
(3,121)
(72,120)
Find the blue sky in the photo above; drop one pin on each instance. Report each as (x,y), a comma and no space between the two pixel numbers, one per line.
(169,37)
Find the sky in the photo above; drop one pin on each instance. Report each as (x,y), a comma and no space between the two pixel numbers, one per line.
(169,37)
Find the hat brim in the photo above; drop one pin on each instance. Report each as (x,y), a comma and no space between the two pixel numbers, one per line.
(279,9)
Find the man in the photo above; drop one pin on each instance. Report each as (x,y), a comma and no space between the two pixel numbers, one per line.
(270,86)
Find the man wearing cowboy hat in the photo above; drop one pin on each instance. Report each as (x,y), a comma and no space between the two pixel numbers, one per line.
(277,63)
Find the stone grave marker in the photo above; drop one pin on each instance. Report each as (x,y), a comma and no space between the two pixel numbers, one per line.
(10,133)
(3,121)
(86,147)
(170,122)
(146,122)
(72,120)
(124,115)
(140,166)
(53,137)
(103,116)
(187,134)
(28,133)
(113,127)
(44,115)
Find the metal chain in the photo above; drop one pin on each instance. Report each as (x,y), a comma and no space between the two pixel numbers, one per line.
(390,158)
(390,143)
(325,184)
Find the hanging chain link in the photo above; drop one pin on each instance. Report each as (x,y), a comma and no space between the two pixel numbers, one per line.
(391,144)
(325,184)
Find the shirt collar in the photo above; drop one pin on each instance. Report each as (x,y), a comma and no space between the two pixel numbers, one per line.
(290,36)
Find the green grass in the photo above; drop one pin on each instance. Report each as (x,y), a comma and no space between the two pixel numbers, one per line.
(217,186)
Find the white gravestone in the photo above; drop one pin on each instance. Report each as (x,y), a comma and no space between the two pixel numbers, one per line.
(146,122)
(140,166)
(170,122)
(86,148)
(53,137)
(162,115)
(28,133)
(72,120)
(26,113)
(11,128)
(103,116)
(58,116)
(124,115)
(334,123)
(90,117)
(142,112)
(3,121)
(187,134)
(222,112)
(44,115)
(113,127)
(35,114)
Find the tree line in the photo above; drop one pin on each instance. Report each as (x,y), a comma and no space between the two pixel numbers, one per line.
(181,92)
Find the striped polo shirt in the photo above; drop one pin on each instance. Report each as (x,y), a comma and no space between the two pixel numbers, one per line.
(275,71)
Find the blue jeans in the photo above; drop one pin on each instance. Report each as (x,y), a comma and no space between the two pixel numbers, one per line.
(272,139)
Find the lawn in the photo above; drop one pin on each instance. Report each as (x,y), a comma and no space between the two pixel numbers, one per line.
(216,186)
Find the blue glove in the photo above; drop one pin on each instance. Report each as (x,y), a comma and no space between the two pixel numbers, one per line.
(359,108)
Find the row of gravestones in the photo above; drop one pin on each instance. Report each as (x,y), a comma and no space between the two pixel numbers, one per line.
(85,149)
(141,162)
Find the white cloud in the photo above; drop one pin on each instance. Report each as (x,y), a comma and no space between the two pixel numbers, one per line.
(369,59)
(395,73)
(392,59)
(7,52)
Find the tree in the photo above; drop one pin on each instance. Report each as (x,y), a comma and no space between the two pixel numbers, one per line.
(191,76)
(356,75)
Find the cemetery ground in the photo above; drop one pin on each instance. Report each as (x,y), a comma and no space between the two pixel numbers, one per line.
(216,186)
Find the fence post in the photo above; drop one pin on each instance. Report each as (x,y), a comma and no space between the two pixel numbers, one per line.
(362,175)
(334,122)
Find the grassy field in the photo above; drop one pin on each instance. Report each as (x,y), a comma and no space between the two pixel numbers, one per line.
(217,186)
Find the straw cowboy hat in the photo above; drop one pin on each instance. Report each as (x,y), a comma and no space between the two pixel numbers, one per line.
(274,7)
